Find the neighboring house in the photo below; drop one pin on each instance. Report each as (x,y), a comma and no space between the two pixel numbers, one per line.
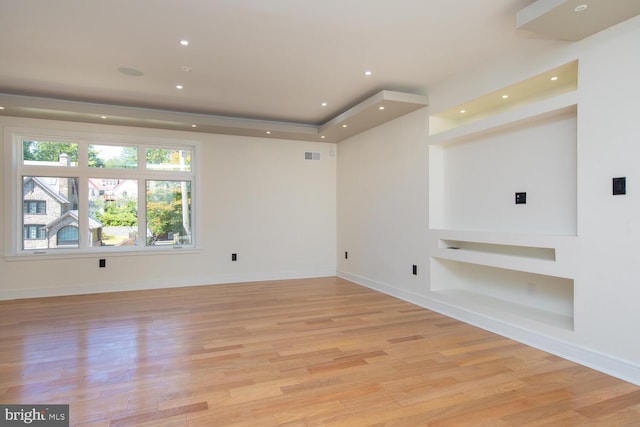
(126,189)
(50,216)
(113,189)
(65,230)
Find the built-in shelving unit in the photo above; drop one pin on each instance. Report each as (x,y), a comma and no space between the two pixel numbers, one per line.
(545,86)
(490,256)
(500,249)
(516,277)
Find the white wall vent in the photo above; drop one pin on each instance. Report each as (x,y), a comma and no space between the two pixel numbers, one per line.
(308,155)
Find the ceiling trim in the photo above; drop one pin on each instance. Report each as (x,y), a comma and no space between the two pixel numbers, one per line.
(574,20)
(359,118)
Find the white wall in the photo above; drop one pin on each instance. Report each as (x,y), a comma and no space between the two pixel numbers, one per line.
(608,288)
(481,178)
(382,204)
(383,189)
(259,199)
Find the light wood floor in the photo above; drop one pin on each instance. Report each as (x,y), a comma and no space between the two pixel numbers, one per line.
(319,352)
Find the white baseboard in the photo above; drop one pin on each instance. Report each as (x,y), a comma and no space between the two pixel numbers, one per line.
(120,286)
(608,364)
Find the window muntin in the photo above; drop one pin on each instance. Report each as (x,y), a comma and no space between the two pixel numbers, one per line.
(92,187)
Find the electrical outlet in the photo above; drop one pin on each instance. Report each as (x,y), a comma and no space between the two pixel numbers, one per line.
(521,198)
(234,257)
(415,270)
(102,263)
(346,255)
(619,186)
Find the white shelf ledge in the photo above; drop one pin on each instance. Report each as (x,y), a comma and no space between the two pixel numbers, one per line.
(535,111)
(532,253)
(503,311)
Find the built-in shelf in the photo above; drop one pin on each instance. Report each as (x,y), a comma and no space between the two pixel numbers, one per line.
(490,256)
(503,311)
(559,105)
(534,90)
(498,292)
(548,254)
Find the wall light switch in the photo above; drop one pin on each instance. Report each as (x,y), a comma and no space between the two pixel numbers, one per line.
(619,186)
(521,198)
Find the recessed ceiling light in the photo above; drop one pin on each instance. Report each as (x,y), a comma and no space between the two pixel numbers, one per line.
(179,87)
(103,117)
(368,73)
(505,96)
(184,42)
(324,104)
(194,126)
(581,8)
(381,107)
(1,108)
(268,132)
(463,111)
(344,126)
(554,78)
(322,136)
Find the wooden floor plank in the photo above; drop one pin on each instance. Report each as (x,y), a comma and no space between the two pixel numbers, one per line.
(304,352)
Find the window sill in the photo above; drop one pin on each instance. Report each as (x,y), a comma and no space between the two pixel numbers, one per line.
(67,254)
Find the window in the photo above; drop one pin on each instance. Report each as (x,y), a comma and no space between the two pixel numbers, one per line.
(80,194)
(168,212)
(67,236)
(34,232)
(34,207)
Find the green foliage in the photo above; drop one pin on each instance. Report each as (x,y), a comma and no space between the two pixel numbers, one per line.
(163,218)
(158,156)
(128,158)
(164,209)
(93,159)
(27,150)
(153,156)
(48,151)
(118,214)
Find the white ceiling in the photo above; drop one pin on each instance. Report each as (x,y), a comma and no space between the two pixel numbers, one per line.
(265,60)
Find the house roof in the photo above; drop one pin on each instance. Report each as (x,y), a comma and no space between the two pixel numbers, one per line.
(72,216)
(49,189)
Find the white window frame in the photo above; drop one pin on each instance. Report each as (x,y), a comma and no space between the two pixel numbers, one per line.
(14,169)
